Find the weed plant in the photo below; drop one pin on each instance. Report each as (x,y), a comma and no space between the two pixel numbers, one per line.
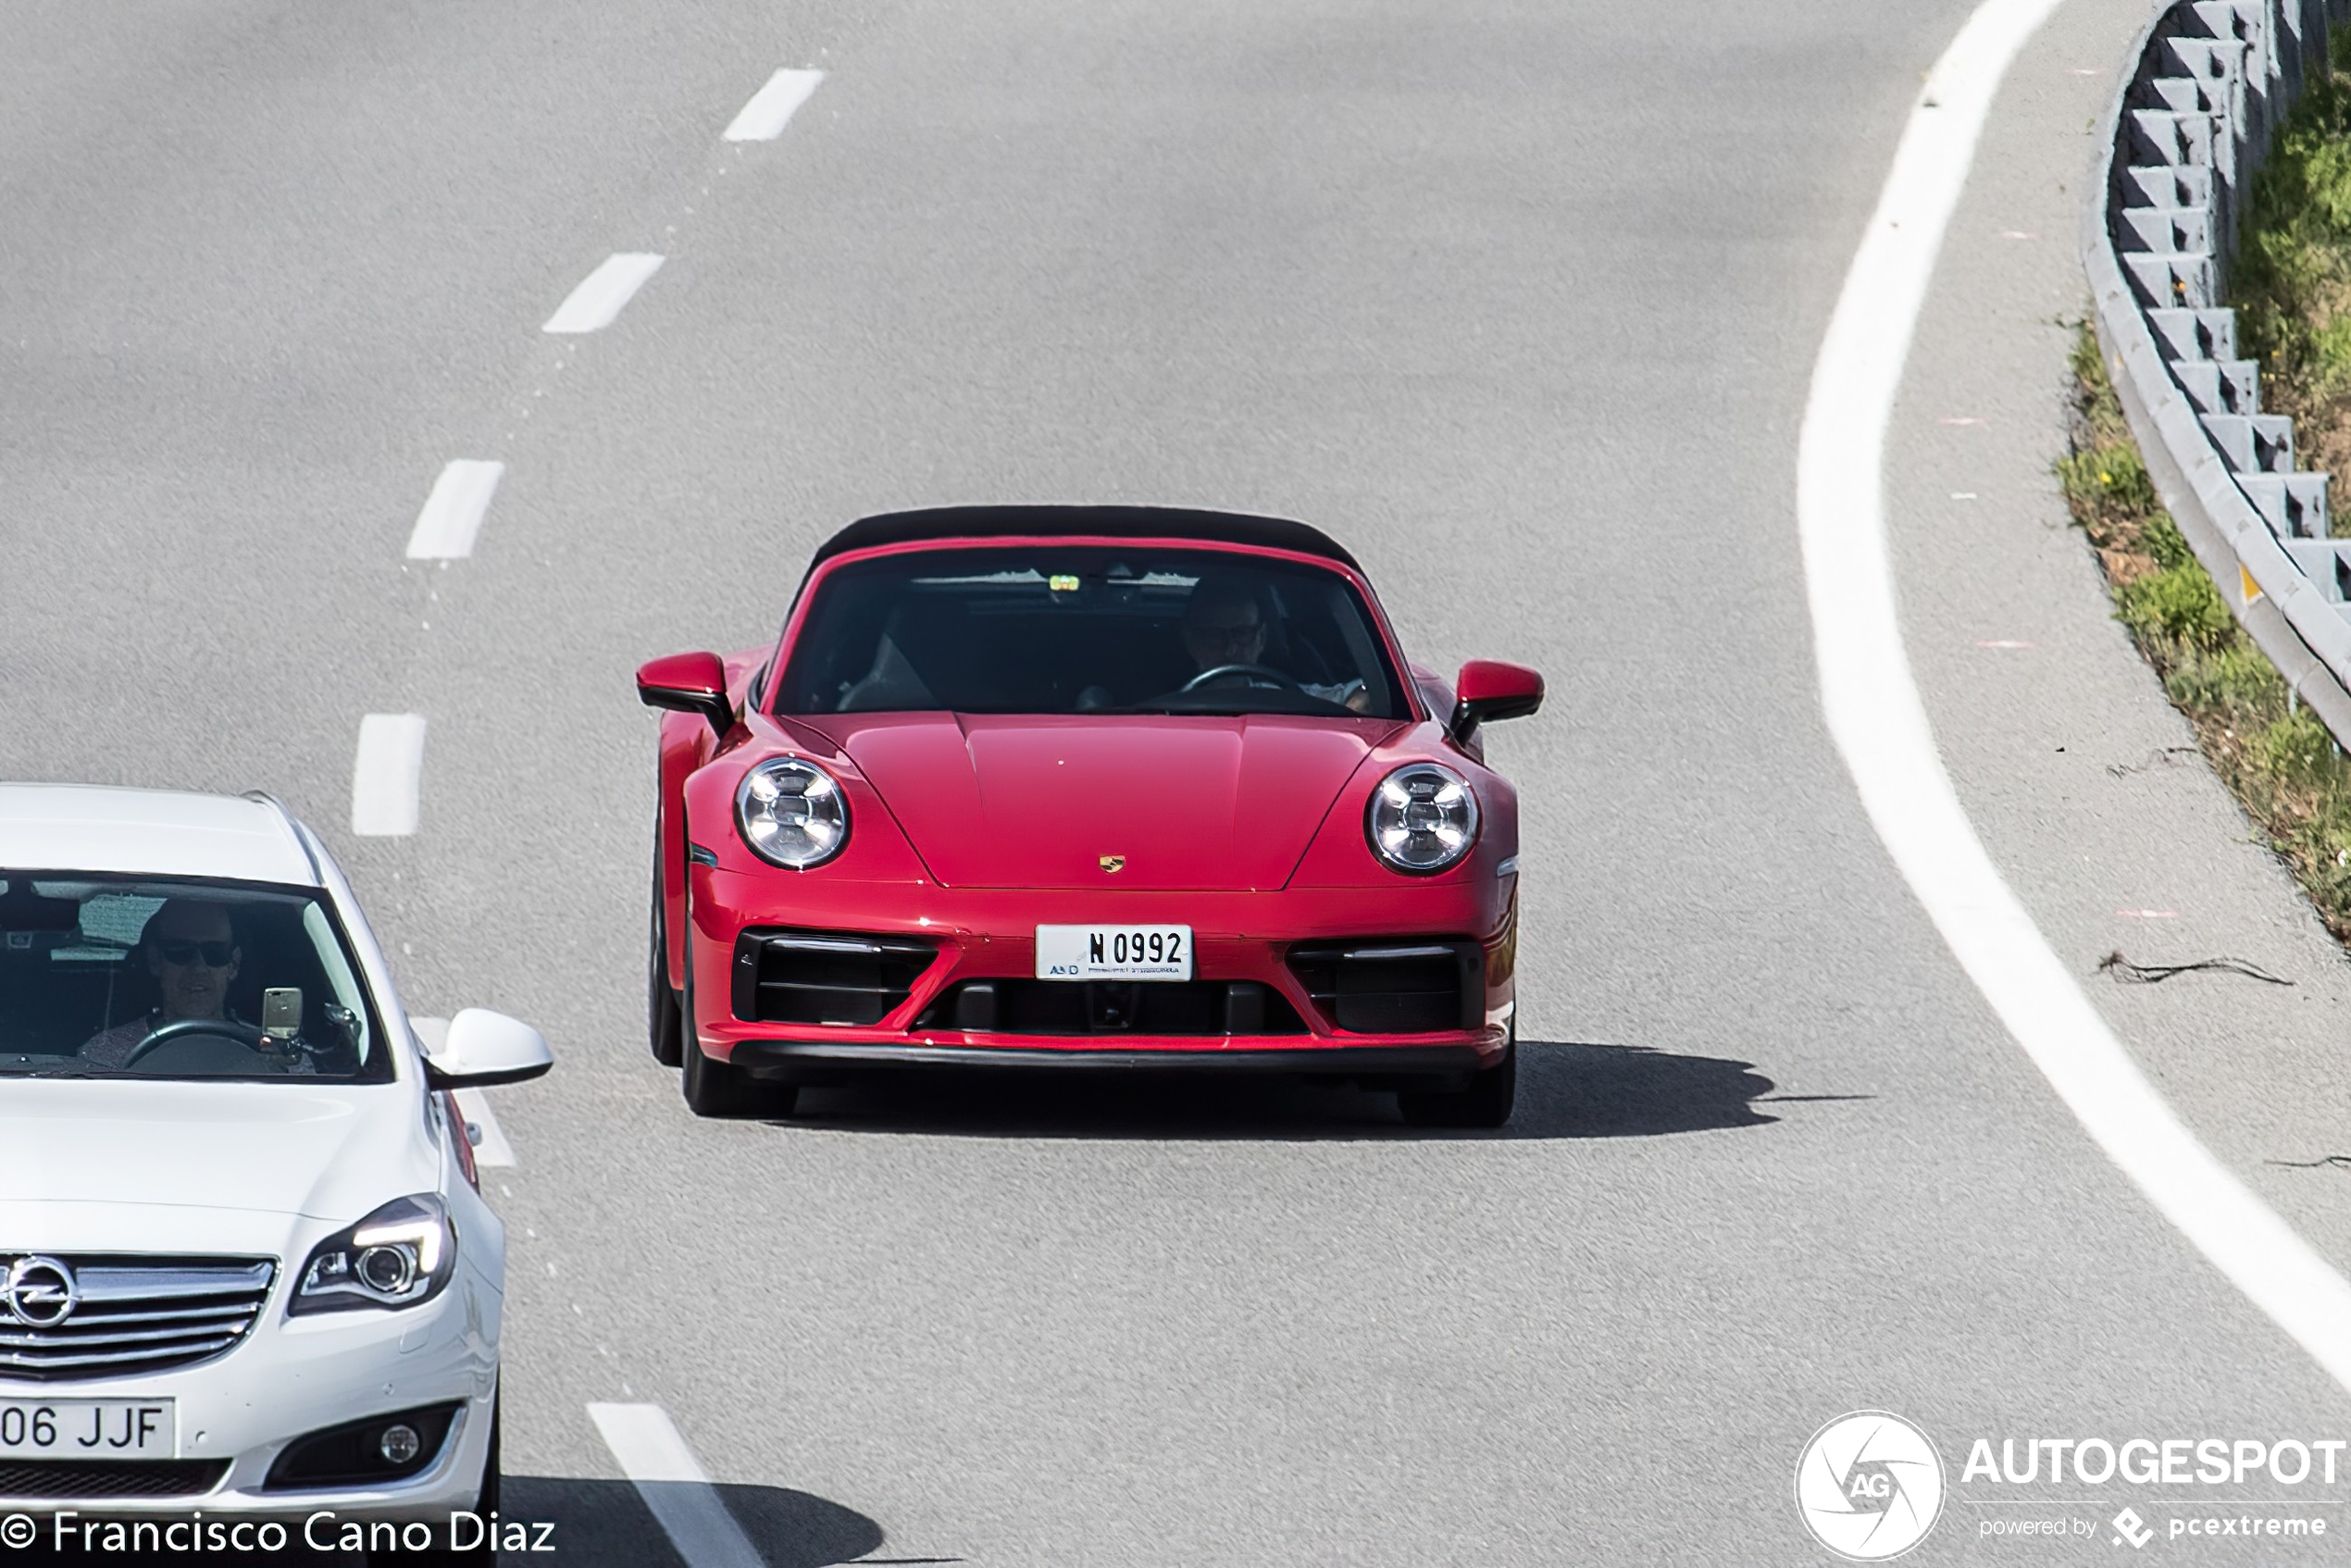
(2277,757)
(2291,276)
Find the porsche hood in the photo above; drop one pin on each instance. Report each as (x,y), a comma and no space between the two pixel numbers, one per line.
(1189,802)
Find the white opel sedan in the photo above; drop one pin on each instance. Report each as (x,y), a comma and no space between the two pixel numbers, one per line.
(243,1265)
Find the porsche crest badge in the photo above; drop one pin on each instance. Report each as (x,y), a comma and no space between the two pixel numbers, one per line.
(1114,863)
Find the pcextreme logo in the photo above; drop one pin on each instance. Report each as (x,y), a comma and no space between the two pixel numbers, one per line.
(1869,1486)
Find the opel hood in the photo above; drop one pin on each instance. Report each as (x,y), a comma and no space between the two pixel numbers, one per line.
(327,1152)
(1176,801)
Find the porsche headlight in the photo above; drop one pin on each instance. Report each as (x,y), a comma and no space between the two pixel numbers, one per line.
(1423,817)
(399,1256)
(791,813)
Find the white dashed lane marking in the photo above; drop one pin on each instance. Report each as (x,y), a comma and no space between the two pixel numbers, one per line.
(602,294)
(655,1457)
(452,513)
(771,108)
(386,775)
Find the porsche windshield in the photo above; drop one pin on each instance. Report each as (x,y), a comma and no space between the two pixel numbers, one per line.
(1046,630)
(110,977)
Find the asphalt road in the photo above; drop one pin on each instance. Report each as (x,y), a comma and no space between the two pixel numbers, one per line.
(1519,301)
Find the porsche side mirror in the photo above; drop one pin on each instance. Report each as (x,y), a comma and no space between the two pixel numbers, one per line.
(483,1049)
(687,683)
(1489,690)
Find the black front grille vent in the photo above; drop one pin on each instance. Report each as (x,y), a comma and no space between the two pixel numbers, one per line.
(1394,988)
(824,977)
(1216,1008)
(60,1480)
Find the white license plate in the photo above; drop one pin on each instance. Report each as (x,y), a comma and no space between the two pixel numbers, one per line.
(89,1429)
(1113,952)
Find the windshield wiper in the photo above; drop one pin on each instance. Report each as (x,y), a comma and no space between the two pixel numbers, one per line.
(1187,711)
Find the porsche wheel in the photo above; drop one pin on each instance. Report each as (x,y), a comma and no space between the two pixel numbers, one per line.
(664,1014)
(720,1088)
(714,1089)
(1484,1101)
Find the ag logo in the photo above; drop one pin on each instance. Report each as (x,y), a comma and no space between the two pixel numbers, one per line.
(1869,1485)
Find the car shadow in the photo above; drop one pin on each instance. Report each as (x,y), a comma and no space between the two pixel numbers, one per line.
(1564,1091)
(606,1523)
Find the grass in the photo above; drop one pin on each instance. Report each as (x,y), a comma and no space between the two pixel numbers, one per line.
(2291,276)
(2275,756)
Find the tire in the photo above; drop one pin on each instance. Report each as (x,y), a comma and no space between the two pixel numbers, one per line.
(714,1089)
(664,1015)
(484,1555)
(719,1089)
(1484,1101)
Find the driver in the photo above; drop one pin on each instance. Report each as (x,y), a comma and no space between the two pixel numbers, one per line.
(1224,623)
(192,951)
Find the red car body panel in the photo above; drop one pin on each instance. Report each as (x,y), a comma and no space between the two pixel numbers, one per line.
(997,801)
(970,831)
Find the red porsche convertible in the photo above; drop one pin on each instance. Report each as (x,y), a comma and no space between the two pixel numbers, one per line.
(1084,786)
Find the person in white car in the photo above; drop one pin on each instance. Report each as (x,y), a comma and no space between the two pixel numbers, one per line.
(193,953)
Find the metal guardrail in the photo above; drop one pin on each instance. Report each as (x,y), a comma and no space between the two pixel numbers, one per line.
(2208,82)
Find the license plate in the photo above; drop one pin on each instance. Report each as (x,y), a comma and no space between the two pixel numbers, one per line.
(1113,952)
(89,1428)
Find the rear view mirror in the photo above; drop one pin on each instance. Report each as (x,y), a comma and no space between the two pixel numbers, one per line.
(687,683)
(483,1049)
(1489,690)
(22,909)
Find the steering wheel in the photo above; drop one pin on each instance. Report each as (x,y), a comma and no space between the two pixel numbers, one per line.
(1222,671)
(244,1033)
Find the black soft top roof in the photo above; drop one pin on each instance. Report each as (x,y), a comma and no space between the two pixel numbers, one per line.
(1111,522)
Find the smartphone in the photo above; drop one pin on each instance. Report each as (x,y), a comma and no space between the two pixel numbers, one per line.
(281,1011)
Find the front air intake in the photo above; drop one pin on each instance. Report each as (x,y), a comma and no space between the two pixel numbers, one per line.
(73,1480)
(840,977)
(1392,987)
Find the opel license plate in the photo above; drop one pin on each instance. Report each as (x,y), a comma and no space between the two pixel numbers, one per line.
(89,1429)
(1113,952)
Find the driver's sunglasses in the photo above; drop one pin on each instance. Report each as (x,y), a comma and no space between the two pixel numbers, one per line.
(215,955)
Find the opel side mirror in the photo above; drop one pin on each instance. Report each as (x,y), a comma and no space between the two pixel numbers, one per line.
(483,1049)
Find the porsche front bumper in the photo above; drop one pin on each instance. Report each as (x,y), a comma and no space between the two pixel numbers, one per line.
(1250,940)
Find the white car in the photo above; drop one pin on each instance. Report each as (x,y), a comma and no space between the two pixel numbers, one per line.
(245,1269)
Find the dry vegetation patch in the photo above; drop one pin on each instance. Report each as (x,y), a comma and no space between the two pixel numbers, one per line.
(2273,752)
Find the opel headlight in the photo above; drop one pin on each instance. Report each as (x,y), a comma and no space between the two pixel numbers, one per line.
(791,813)
(399,1256)
(1422,818)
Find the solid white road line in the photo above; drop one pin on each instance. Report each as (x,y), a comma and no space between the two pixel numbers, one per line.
(592,306)
(385,777)
(675,1486)
(771,108)
(1879,723)
(452,513)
